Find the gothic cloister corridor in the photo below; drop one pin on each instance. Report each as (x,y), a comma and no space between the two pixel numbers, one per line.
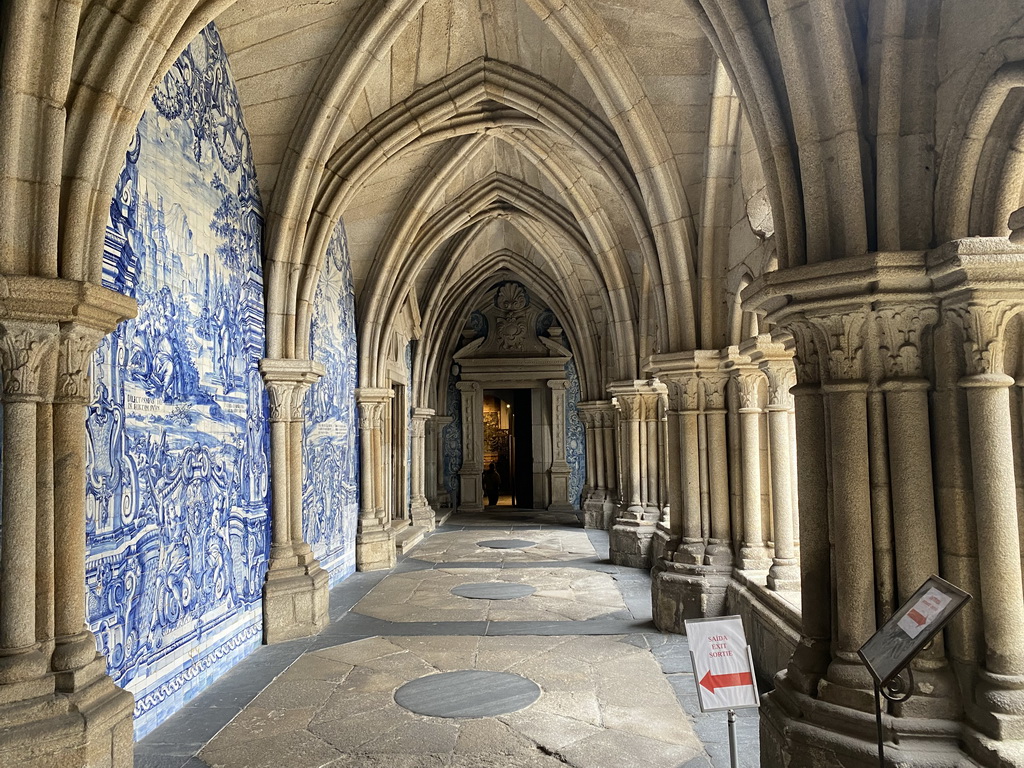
(290,289)
(615,692)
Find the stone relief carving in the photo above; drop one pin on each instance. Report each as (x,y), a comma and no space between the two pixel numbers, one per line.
(901,330)
(24,349)
(713,385)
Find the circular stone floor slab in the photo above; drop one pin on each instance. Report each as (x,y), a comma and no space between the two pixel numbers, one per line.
(507,543)
(467,693)
(493,590)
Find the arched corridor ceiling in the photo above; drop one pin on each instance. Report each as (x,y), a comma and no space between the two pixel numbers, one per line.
(570,136)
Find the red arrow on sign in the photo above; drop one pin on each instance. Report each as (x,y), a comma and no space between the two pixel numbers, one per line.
(711,682)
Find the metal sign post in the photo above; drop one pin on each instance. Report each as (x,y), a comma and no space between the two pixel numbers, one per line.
(888,653)
(723,669)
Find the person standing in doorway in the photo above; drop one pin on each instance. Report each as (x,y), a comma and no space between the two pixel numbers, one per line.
(492,485)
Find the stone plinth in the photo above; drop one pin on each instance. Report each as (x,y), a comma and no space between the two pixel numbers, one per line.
(375,550)
(295,602)
(681,592)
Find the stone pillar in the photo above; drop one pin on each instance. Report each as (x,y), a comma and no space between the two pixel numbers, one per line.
(611,472)
(867,439)
(754,554)
(75,646)
(594,415)
(439,500)
(630,539)
(57,704)
(691,577)
(784,573)
(295,600)
(375,539)
(26,356)
(560,470)
(713,385)
(471,489)
(999,695)
(421,512)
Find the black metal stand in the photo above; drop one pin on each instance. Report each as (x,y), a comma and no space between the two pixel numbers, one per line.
(895,690)
(734,760)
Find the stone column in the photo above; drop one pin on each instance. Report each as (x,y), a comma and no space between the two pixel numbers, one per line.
(57,704)
(1000,689)
(420,511)
(611,459)
(784,573)
(75,645)
(295,600)
(719,548)
(440,501)
(560,470)
(471,490)
(754,554)
(375,539)
(630,540)
(595,494)
(813,653)
(26,352)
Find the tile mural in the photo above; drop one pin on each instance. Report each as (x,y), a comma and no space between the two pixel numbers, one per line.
(177,485)
(331,502)
(575,435)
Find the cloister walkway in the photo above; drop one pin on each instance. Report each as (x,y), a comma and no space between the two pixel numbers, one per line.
(507,592)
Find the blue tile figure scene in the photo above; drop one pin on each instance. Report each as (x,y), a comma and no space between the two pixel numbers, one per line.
(177,528)
(330,487)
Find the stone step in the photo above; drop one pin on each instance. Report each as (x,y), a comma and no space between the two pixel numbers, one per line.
(409,537)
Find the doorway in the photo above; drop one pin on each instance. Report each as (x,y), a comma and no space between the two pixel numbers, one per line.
(508,444)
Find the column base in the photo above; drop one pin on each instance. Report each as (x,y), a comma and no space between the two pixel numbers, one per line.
(630,543)
(998,711)
(784,576)
(375,550)
(423,516)
(594,515)
(681,592)
(755,557)
(800,731)
(295,603)
(91,728)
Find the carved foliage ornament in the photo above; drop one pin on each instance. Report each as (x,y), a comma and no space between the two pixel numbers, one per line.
(714,385)
(75,352)
(781,378)
(749,389)
(511,324)
(23,352)
(983,324)
(843,337)
(900,336)
(805,358)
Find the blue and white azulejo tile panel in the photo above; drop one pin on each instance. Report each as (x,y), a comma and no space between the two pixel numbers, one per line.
(330,487)
(575,436)
(177,479)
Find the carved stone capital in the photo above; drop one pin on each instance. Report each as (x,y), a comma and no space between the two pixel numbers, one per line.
(781,378)
(900,336)
(630,407)
(841,338)
(713,384)
(287,381)
(76,346)
(749,388)
(371,415)
(26,353)
(684,392)
(984,324)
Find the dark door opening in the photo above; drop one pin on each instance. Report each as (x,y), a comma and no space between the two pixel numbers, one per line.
(508,446)
(522,448)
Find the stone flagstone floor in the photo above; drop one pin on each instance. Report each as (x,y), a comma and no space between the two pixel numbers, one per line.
(613,691)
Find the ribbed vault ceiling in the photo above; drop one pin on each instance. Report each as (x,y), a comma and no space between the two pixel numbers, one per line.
(561,141)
